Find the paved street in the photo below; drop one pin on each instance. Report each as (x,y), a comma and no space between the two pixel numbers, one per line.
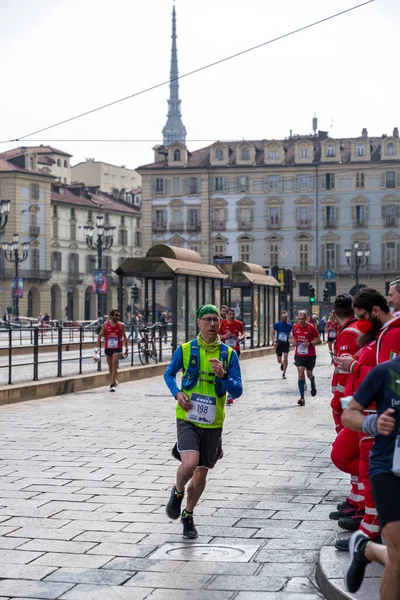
(85,478)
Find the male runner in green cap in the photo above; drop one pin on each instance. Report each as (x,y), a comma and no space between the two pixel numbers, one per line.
(210,370)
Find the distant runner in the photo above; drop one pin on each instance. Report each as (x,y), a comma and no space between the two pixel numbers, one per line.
(281,333)
(305,337)
(231,332)
(114,332)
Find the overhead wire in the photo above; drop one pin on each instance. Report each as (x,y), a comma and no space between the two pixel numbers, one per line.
(194,71)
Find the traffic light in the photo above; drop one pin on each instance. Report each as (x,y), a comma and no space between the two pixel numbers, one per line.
(326,295)
(134,292)
(311,294)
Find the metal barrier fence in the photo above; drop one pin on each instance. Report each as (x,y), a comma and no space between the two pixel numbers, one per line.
(67,340)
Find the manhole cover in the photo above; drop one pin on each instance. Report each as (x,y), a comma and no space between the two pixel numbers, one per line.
(205,552)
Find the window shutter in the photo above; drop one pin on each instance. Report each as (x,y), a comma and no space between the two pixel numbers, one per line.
(280,183)
(296,183)
(311,182)
(383,182)
(383,208)
(354,215)
(397,255)
(383,257)
(322,182)
(332,181)
(167,189)
(237,184)
(366,214)
(397,179)
(237,214)
(337,255)
(184,185)
(153,186)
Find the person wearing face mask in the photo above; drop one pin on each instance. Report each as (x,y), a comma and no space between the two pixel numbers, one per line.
(379,342)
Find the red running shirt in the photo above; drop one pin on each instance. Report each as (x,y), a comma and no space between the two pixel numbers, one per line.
(233,330)
(113,336)
(308,333)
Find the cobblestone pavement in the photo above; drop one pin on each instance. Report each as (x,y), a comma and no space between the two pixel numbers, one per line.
(84,479)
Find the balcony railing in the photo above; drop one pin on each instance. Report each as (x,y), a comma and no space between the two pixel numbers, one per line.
(35,274)
(390,222)
(218,225)
(245,225)
(330,223)
(174,227)
(304,270)
(194,226)
(34,230)
(159,226)
(303,224)
(274,224)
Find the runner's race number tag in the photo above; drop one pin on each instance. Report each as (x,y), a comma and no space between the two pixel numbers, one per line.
(282,337)
(396,457)
(302,349)
(231,342)
(112,342)
(203,409)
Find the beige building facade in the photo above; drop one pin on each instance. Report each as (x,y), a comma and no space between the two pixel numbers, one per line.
(296,203)
(105,176)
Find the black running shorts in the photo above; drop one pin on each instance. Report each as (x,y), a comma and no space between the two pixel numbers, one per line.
(111,351)
(282,348)
(206,441)
(305,361)
(386,493)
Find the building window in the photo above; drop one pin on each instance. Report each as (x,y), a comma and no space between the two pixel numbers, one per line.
(245,216)
(35,191)
(273,182)
(73,230)
(304,256)
(74,264)
(159,219)
(330,255)
(122,220)
(138,239)
(219,184)
(219,154)
(330,151)
(193,219)
(35,259)
(304,289)
(108,264)
(273,155)
(193,185)
(73,216)
(360,179)
(106,177)
(390,179)
(159,186)
(303,216)
(360,150)
(56,261)
(329,181)
(31,163)
(304,182)
(273,254)
(219,249)
(55,210)
(390,256)
(177,155)
(123,237)
(245,251)
(58,162)
(242,183)
(245,154)
(303,152)
(65,164)
(55,230)
(390,212)
(391,149)
(273,216)
(106,219)
(360,215)
(330,216)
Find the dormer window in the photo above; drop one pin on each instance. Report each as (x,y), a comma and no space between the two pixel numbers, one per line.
(177,155)
(273,155)
(330,151)
(391,149)
(245,154)
(360,150)
(31,163)
(303,152)
(219,154)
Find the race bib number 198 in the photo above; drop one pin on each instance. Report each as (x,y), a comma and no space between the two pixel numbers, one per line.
(203,409)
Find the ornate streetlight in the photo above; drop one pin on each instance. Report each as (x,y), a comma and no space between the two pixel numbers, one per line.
(361,258)
(12,254)
(4,210)
(105,239)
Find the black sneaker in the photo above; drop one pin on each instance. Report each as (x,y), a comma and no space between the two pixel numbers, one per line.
(348,511)
(352,523)
(355,570)
(343,545)
(313,390)
(343,505)
(112,388)
(283,376)
(301,402)
(173,508)
(189,529)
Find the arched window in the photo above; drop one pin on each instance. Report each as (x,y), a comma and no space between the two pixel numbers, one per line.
(58,162)
(245,154)
(219,154)
(65,164)
(177,155)
(330,151)
(31,162)
(391,149)
(360,150)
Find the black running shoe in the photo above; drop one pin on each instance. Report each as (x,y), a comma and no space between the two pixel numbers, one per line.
(352,523)
(301,402)
(283,376)
(348,511)
(343,544)
(189,529)
(173,508)
(313,390)
(355,570)
(343,505)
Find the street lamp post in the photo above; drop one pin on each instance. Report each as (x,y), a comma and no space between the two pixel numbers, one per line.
(105,239)
(361,258)
(4,210)
(12,254)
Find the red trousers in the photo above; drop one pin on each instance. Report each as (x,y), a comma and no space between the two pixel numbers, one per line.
(370,522)
(345,455)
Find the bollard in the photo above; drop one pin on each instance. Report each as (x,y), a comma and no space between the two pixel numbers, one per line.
(80,348)
(36,354)
(59,351)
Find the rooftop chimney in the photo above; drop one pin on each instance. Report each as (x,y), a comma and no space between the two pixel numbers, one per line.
(364,132)
(396,132)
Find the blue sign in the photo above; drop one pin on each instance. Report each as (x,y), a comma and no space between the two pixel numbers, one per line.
(329,274)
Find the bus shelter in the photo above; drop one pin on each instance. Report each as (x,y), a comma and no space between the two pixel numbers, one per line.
(177,279)
(255,297)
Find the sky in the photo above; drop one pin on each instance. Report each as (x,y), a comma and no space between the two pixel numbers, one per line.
(61,58)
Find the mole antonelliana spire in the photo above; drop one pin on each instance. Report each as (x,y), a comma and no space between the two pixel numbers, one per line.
(174,130)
